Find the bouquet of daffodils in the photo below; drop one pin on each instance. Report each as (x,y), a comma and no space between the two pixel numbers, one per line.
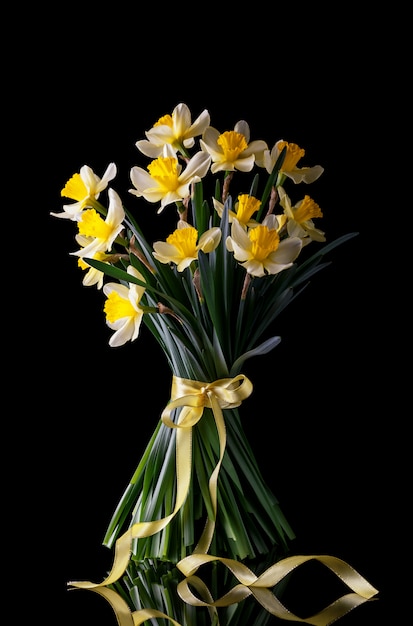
(209,294)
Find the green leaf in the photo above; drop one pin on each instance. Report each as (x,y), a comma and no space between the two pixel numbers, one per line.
(263,348)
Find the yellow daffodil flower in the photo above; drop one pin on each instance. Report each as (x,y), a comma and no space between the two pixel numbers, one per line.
(122,309)
(245,207)
(300,218)
(176,130)
(92,276)
(182,246)
(259,249)
(84,187)
(289,167)
(102,232)
(165,180)
(232,150)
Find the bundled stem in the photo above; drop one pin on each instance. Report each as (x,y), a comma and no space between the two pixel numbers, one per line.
(249,521)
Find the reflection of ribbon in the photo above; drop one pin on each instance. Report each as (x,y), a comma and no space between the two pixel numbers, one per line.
(256,586)
(123,613)
(192,396)
(259,586)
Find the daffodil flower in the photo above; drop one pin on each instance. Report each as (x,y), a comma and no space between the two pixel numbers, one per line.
(300,218)
(289,167)
(165,180)
(92,276)
(259,250)
(232,150)
(84,187)
(122,309)
(245,207)
(176,130)
(182,246)
(102,232)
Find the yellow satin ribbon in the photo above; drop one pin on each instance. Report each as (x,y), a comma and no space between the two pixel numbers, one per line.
(192,396)
(274,574)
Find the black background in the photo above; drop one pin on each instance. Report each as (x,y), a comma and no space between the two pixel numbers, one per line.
(327,433)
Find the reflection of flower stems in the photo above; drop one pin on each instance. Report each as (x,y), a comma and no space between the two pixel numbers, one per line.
(153,584)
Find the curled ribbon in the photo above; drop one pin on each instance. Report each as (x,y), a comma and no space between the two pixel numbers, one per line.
(192,397)
(274,574)
(259,586)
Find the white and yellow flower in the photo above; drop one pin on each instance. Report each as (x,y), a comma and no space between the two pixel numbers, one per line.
(123,312)
(289,167)
(259,249)
(232,150)
(182,246)
(101,232)
(165,180)
(300,218)
(84,187)
(93,276)
(176,130)
(245,207)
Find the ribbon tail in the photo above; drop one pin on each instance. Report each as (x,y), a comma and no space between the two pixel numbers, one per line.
(209,529)
(328,615)
(123,546)
(343,570)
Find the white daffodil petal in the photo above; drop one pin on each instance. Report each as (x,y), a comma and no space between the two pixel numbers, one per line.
(161,135)
(213,151)
(243,164)
(210,137)
(93,277)
(239,234)
(137,320)
(288,250)
(210,239)
(305,174)
(149,149)
(198,166)
(241,254)
(243,127)
(182,265)
(254,267)
(118,288)
(165,252)
(294,229)
(271,222)
(116,212)
(181,119)
(218,206)
(124,332)
(275,268)
(199,125)
(109,175)
(174,196)
(256,147)
(141,180)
